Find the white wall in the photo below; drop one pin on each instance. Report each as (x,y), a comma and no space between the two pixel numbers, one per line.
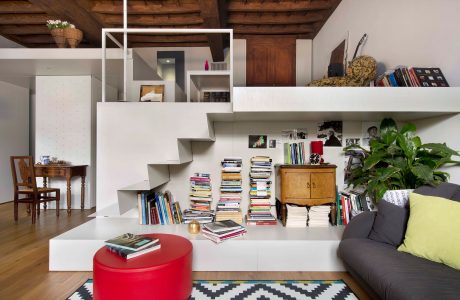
(410,32)
(65,127)
(14,132)
(303,62)
(239,62)
(232,140)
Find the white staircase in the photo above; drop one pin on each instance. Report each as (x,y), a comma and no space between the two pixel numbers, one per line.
(142,148)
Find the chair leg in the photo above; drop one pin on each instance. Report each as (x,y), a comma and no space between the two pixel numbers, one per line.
(38,209)
(34,212)
(16,204)
(28,209)
(58,198)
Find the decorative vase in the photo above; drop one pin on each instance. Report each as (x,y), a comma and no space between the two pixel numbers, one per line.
(206,66)
(73,36)
(194,227)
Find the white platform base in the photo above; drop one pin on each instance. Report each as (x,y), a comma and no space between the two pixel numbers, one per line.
(263,248)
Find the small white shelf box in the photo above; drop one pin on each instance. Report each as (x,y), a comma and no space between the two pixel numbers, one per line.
(209,81)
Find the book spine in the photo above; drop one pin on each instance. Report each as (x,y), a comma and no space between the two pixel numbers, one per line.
(160,212)
(139,207)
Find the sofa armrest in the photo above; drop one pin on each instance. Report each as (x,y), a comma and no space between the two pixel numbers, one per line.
(360,226)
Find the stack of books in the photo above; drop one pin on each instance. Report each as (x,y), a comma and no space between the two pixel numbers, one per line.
(228,207)
(130,245)
(318,216)
(412,77)
(200,199)
(222,230)
(297,216)
(260,209)
(294,154)
(350,203)
(158,208)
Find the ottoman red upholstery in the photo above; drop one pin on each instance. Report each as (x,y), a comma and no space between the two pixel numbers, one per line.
(162,274)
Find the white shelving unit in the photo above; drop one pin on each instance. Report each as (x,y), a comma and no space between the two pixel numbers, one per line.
(207,81)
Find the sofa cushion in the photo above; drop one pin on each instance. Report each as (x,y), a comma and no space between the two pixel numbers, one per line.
(444,190)
(398,275)
(398,197)
(433,229)
(389,224)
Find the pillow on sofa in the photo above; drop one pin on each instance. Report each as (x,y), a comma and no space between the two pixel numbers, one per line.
(433,230)
(389,224)
(397,197)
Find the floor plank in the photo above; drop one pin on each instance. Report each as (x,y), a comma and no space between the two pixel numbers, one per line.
(24,259)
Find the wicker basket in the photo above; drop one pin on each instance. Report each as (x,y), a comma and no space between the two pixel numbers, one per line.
(73,36)
(59,37)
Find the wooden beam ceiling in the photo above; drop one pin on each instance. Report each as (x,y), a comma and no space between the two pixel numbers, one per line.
(73,12)
(213,13)
(24,21)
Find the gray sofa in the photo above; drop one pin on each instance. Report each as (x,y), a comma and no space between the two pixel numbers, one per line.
(385,273)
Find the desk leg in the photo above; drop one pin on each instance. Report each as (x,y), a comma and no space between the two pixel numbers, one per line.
(45,185)
(82,192)
(69,196)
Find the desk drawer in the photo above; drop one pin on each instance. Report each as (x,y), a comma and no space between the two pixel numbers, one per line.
(50,172)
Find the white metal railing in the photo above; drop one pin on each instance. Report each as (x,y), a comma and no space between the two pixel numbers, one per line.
(107,32)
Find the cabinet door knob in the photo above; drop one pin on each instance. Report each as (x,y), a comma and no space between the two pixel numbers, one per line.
(308,185)
(313,185)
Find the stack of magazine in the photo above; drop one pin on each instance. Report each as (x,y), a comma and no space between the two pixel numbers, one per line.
(131,245)
(222,230)
(200,199)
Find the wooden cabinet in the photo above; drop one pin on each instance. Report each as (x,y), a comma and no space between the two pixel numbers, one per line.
(307,185)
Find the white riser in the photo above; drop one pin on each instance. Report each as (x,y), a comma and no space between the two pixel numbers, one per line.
(269,248)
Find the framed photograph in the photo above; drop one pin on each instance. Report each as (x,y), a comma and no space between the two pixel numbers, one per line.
(258,141)
(370,130)
(352,141)
(272,144)
(330,132)
(152,93)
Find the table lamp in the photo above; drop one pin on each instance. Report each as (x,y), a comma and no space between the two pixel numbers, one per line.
(316,147)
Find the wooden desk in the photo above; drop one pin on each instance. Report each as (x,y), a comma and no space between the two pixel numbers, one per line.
(66,171)
(306,185)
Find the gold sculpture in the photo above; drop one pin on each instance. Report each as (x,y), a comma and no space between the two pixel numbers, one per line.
(194,227)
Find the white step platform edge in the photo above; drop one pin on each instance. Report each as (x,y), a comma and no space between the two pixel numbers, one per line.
(263,248)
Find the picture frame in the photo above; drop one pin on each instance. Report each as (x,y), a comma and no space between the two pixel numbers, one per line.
(152,93)
(257,142)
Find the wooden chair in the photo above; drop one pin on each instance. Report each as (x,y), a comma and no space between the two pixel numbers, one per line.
(26,186)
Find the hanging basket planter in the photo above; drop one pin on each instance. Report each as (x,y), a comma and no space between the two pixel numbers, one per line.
(73,36)
(59,37)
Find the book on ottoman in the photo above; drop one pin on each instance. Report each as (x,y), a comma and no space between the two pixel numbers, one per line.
(131,241)
(127,254)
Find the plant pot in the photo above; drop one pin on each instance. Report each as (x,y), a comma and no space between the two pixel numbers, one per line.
(59,37)
(73,36)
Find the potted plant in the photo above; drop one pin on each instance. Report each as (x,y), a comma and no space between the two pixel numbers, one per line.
(73,35)
(399,160)
(57,31)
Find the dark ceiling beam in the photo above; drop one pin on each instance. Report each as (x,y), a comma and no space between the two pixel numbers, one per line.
(136,38)
(24,19)
(24,29)
(144,7)
(18,7)
(73,12)
(150,20)
(214,15)
(285,6)
(154,45)
(274,29)
(307,36)
(275,19)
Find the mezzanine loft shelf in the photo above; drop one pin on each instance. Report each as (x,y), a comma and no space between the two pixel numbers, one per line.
(323,103)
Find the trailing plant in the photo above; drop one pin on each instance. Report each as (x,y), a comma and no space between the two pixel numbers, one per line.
(58,24)
(398,160)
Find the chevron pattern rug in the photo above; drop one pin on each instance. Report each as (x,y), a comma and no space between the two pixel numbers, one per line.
(253,289)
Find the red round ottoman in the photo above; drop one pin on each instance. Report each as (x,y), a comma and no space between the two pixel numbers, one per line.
(165,273)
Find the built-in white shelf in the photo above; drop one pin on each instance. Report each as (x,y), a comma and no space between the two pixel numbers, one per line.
(343,103)
(261,249)
(211,81)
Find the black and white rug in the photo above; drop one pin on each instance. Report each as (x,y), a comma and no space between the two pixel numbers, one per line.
(253,289)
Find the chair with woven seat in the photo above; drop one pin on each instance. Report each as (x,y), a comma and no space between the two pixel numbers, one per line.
(25,187)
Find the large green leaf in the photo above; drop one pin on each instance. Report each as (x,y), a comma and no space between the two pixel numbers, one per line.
(376,145)
(372,160)
(388,131)
(440,148)
(408,128)
(408,146)
(387,173)
(423,172)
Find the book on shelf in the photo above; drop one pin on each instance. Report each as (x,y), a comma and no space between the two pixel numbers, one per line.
(158,208)
(222,230)
(403,76)
(352,202)
(294,153)
(318,216)
(128,254)
(228,206)
(222,226)
(200,197)
(260,210)
(131,241)
(297,216)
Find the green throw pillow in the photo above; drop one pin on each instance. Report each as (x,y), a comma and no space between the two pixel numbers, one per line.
(433,230)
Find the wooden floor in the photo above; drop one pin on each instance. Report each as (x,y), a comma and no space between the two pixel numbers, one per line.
(24,259)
